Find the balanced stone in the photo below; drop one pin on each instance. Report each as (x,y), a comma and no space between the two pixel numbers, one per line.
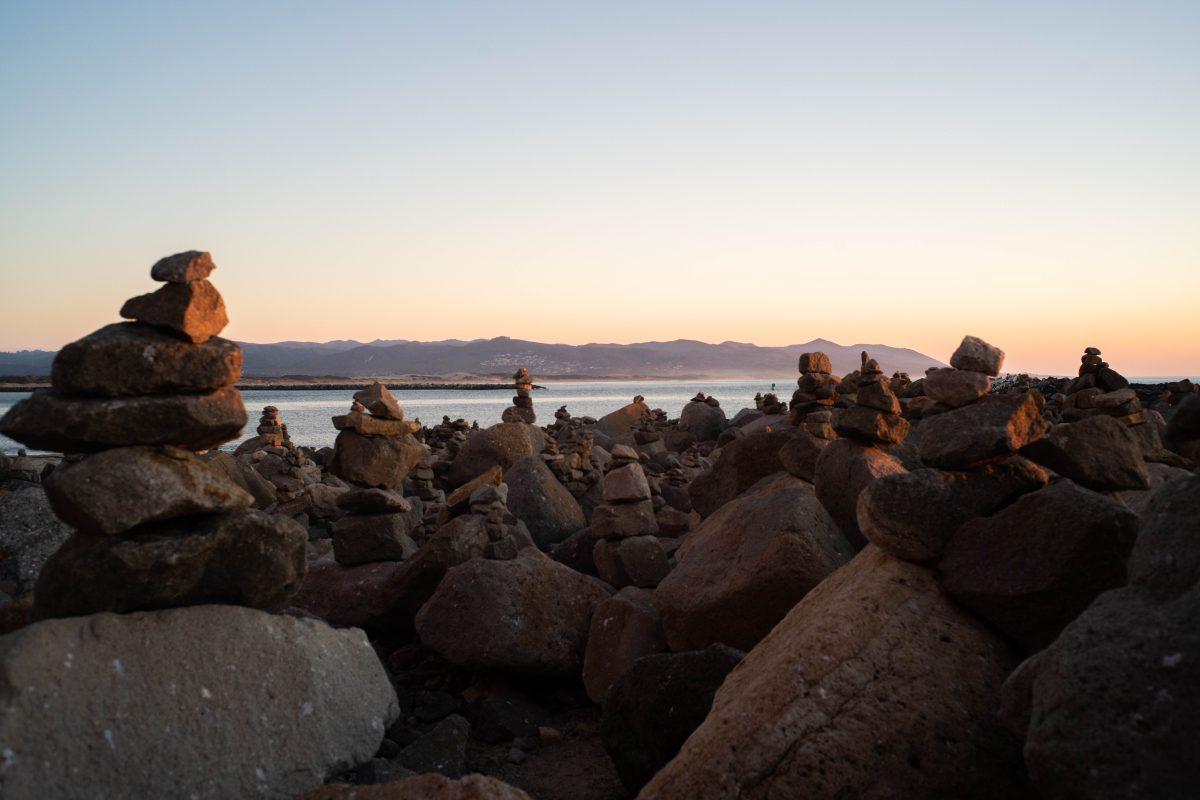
(956,387)
(193,309)
(976,355)
(192,265)
(370,425)
(379,402)
(48,420)
(364,538)
(380,461)
(127,358)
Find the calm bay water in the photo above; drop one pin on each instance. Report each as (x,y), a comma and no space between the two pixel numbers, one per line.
(307,412)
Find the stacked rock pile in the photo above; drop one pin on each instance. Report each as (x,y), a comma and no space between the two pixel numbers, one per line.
(968,378)
(1102,391)
(271,429)
(273,456)
(522,408)
(627,551)
(376,525)
(375,446)
(156,527)
(771,404)
(875,416)
(816,388)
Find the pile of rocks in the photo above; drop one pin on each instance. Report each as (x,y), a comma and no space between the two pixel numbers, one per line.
(273,456)
(816,387)
(771,404)
(271,429)
(156,527)
(522,408)
(875,416)
(375,446)
(1102,391)
(627,551)
(968,378)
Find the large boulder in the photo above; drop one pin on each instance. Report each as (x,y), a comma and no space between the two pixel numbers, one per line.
(655,706)
(245,557)
(503,445)
(115,490)
(363,538)
(624,419)
(743,462)
(744,568)
(631,561)
(912,515)
(423,787)
(702,420)
(344,596)
(528,615)
(994,426)
(1037,564)
(624,628)
(844,469)
(244,475)
(1097,452)
(379,461)
(1111,708)
(29,535)
(800,453)
(206,702)
(540,500)
(874,685)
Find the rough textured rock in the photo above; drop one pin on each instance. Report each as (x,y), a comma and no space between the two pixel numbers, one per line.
(245,557)
(1036,565)
(624,628)
(372,501)
(48,421)
(244,475)
(870,425)
(540,500)
(743,463)
(194,309)
(192,265)
(624,520)
(423,787)
(29,536)
(873,686)
(1138,500)
(912,515)
(353,596)
(379,402)
(363,538)
(800,453)
(631,561)
(844,469)
(624,419)
(378,461)
(126,358)
(702,421)
(1097,452)
(1111,708)
(1184,425)
(747,565)
(956,387)
(116,489)
(995,426)
(626,484)
(528,615)
(656,705)
(503,444)
(122,706)
(977,355)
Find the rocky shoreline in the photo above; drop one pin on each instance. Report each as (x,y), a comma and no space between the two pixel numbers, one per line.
(958,585)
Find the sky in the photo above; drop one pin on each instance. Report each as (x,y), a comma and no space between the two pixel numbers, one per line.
(767,172)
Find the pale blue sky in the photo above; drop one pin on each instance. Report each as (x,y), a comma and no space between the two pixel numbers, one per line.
(768,172)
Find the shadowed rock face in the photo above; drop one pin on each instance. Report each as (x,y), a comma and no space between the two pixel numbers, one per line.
(502,444)
(539,500)
(375,461)
(743,463)
(844,469)
(120,706)
(874,685)
(1097,452)
(423,787)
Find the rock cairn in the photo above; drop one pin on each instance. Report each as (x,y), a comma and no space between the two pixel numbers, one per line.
(627,552)
(771,404)
(1100,390)
(273,456)
(522,408)
(271,428)
(375,446)
(376,525)
(155,526)
(875,416)
(816,388)
(968,378)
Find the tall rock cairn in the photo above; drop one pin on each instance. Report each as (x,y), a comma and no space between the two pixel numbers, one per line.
(1100,390)
(816,389)
(155,526)
(875,416)
(522,408)
(627,551)
(375,446)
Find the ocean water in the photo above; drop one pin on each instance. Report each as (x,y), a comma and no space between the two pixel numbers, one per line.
(307,412)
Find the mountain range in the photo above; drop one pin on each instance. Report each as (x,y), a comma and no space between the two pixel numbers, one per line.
(502,355)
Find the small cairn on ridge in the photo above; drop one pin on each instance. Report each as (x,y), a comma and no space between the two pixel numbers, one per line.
(156,527)
(271,428)
(816,389)
(272,455)
(1100,390)
(522,408)
(875,416)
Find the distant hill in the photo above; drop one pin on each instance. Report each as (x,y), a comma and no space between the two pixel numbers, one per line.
(679,358)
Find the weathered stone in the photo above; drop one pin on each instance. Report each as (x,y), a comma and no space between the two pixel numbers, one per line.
(47,420)
(654,707)
(29,536)
(874,685)
(368,425)
(1110,707)
(347,596)
(624,520)
(844,469)
(626,484)
(372,501)
(743,463)
(1096,452)
(800,453)
(244,557)
(624,628)
(528,615)
(1138,500)
(120,706)
(912,515)
(192,265)
(1037,564)
(632,561)
(956,387)
(503,445)
(977,355)
(815,362)
(878,396)
(243,475)
(114,490)
(126,358)
(624,419)
(380,402)
(193,309)
(376,461)
(576,552)
(870,425)
(363,538)
(423,787)
(747,565)
(1184,425)
(539,500)
(995,426)
(459,499)
(702,420)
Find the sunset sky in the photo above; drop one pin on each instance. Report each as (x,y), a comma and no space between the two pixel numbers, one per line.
(769,172)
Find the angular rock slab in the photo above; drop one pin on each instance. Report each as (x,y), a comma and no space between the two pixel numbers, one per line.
(192,265)
(538,498)
(874,685)
(743,463)
(245,557)
(127,358)
(365,538)
(114,490)
(624,628)
(995,426)
(194,310)
(47,420)
(528,615)
(844,469)
(381,462)
(1097,452)
(205,702)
